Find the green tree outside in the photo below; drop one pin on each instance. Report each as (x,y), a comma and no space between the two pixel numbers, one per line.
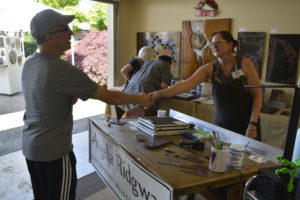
(59,4)
(96,16)
(29,44)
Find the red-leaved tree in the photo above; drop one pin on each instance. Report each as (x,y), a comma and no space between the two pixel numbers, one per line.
(91,55)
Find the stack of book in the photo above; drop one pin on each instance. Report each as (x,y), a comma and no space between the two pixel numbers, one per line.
(161,125)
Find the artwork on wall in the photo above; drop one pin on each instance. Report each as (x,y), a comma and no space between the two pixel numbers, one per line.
(206,8)
(195,50)
(283,58)
(20,60)
(12,57)
(251,45)
(163,43)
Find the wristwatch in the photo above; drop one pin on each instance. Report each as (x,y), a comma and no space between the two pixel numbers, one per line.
(253,123)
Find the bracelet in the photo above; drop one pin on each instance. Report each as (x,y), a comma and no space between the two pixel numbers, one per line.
(253,123)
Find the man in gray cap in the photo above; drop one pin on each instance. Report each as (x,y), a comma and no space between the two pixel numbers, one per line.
(50,87)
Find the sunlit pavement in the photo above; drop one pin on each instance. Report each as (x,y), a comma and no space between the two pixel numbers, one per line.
(81,109)
(15,180)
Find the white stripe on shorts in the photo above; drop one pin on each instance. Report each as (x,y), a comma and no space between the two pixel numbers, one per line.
(66,178)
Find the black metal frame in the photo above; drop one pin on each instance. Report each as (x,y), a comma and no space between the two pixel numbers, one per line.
(294,118)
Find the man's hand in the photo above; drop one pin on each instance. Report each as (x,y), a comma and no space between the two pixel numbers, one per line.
(154,96)
(145,100)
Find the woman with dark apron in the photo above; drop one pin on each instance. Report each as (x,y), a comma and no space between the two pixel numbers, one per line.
(236,108)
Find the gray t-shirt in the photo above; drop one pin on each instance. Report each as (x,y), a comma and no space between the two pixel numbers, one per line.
(49,84)
(149,77)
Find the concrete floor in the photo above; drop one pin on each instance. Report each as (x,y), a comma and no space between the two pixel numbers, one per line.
(11,119)
(14,178)
(15,181)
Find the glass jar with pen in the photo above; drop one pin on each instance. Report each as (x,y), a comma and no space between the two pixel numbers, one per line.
(218,155)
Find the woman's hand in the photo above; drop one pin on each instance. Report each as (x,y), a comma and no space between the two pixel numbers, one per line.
(154,96)
(145,100)
(251,131)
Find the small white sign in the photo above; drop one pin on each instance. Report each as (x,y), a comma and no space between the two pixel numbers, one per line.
(125,177)
(273,30)
(242,29)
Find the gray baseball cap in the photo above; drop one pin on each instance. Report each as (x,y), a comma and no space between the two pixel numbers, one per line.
(46,20)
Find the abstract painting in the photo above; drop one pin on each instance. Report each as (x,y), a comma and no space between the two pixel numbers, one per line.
(251,45)
(283,58)
(195,50)
(163,43)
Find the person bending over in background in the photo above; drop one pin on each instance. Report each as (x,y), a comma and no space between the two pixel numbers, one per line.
(153,75)
(50,87)
(145,54)
(236,108)
(166,59)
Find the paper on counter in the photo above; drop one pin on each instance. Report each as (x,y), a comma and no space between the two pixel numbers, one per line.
(257,159)
(204,100)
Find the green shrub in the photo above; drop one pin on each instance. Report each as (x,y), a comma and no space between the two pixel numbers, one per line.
(29,44)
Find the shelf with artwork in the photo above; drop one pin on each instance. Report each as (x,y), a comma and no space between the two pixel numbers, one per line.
(11,63)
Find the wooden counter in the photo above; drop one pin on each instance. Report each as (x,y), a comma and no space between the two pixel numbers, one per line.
(182,183)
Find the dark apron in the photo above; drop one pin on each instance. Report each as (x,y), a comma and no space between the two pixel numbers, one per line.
(233,102)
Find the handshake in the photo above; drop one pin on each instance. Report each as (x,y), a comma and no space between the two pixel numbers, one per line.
(146,100)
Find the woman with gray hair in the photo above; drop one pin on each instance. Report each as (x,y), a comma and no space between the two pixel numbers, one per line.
(145,54)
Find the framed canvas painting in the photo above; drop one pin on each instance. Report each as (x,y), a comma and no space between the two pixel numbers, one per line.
(163,43)
(251,45)
(283,58)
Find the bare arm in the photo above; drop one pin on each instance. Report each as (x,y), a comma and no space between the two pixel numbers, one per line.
(198,77)
(256,94)
(119,98)
(125,71)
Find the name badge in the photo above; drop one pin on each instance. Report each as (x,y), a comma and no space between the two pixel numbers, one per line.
(237,74)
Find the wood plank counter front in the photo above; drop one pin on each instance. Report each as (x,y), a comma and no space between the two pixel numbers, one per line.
(181,182)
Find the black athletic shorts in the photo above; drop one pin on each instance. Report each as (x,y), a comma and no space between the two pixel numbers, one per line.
(54,180)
